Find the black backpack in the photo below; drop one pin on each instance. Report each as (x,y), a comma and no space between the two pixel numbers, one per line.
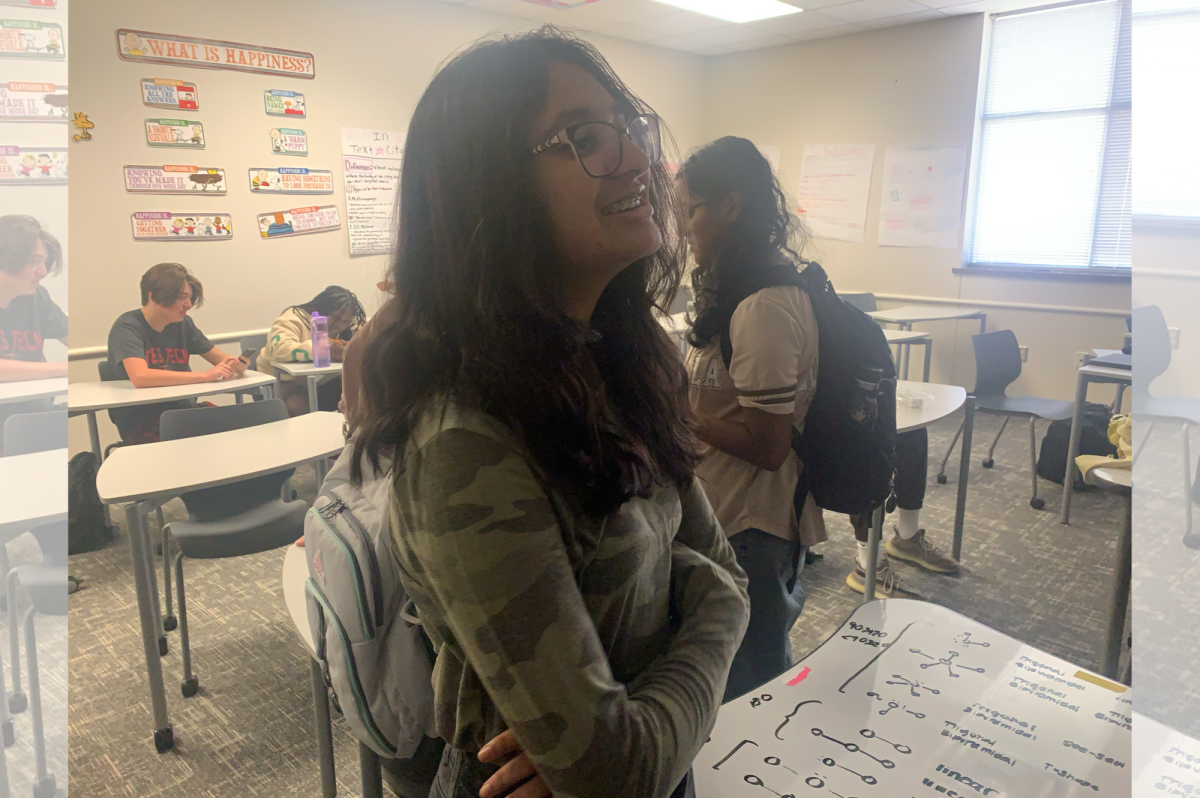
(87,529)
(848,460)
(1093,439)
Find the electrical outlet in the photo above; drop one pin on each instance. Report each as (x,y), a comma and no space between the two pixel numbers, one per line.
(1024,354)
(1173,332)
(1081,359)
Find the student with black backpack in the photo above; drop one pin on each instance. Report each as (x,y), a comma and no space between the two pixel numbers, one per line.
(741,231)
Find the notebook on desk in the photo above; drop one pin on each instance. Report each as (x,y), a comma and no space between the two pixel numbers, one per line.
(1117,360)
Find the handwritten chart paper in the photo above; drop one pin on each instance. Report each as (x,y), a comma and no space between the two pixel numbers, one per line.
(371,164)
(163,93)
(835,183)
(298,221)
(1165,762)
(921,205)
(286,180)
(174,180)
(27,38)
(910,699)
(33,102)
(166,48)
(170,226)
(33,166)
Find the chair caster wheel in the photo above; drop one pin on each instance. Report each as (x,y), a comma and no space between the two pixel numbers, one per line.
(988,463)
(189,687)
(170,623)
(941,478)
(164,739)
(17,703)
(1037,503)
(45,788)
(10,735)
(162,646)
(1192,541)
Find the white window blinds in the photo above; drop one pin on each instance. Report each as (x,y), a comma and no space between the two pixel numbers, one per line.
(1054,184)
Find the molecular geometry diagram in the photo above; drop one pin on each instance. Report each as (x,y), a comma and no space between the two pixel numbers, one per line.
(947,660)
(965,641)
(914,686)
(895,705)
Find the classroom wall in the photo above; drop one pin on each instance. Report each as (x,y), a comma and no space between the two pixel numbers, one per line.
(1167,274)
(371,67)
(911,85)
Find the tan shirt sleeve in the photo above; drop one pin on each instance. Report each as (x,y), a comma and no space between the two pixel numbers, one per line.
(772,352)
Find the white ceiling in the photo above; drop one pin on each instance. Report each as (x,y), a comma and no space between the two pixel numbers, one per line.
(666,26)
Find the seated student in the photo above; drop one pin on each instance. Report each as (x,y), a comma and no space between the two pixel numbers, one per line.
(741,232)
(28,316)
(152,347)
(290,341)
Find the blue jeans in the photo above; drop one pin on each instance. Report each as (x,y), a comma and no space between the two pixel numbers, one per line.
(773,567)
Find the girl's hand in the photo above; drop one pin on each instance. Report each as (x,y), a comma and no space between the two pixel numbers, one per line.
(518,770)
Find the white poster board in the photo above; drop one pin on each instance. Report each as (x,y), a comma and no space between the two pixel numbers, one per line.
(835,183)
(911,699)
(922,196)
(371,165)
(1165,762)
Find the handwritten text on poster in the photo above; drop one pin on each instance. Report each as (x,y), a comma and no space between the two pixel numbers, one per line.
(371,162)
(835,181)
(922,197)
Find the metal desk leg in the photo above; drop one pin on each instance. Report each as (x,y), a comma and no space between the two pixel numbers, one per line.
(164,736)
(982,323)
(964,471)
(237,398)
(324,731)
(905,349)
(94,434)
(1081,384)
(1120,602)
(372,772)
(928,356)
(873,537)
(312,394)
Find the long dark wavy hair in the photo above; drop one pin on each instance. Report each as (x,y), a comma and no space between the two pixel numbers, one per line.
(329,303)
(750,246)
(477,312)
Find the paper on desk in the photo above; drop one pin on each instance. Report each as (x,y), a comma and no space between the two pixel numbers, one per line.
(835,182)
(922,196)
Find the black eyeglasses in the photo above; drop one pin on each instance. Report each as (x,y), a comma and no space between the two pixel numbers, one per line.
(599,146)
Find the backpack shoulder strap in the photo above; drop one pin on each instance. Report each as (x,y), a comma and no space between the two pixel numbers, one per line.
(812,279)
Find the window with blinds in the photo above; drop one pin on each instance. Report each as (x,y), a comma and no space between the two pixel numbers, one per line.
(1054,184)
(1166,34)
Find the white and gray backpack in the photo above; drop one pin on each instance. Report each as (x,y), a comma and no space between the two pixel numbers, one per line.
(367,636)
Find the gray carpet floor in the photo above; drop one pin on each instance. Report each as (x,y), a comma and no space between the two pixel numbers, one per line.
(249,732)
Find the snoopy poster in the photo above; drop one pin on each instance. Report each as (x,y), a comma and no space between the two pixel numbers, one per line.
(175,133)
(28,38)
(33,166)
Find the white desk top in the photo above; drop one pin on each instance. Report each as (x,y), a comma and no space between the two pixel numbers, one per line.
(1165,762)
(908,697)
(1117,476)
(307,369)
(939,402)
(905,336)
(35,489)
(25,390)
(1124,375)
(168,468)
(85,397)
(295,571)
(914,313)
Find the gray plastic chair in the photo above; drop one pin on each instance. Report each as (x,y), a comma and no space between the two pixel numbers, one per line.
(45,583)
(997,365)
(864,301)
(246,517)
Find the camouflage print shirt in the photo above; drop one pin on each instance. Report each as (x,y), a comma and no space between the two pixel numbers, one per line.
(604,643)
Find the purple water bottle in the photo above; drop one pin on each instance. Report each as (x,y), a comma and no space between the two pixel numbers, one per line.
(320,340)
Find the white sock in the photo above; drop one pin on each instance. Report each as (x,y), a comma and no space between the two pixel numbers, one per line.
(861,555)
(908,522)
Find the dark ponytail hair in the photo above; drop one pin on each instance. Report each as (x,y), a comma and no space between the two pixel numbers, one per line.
(750,247)
(332,301)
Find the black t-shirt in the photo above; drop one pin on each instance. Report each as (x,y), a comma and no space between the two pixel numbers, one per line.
(27,322)
(132,336)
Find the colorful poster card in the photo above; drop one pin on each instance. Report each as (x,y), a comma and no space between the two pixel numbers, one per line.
(164,93)
(175,133)
(172,226)
(835,184)
(289,141)
(287,180)
(279,102)
(371,161)
(33,102)
(30,3)
(174,180)
(922,197)
(299,221)
(33,166)
(28,38)
(167,48)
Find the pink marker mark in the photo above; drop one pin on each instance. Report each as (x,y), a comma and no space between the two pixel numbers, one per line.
(801,676)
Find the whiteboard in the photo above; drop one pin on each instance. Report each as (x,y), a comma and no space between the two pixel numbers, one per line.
(911,699)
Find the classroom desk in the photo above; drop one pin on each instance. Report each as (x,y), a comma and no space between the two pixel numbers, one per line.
(908,315)
(1165,762)
(911,699)
(152,473)
(312,374)
(1086,376)
(295,573)
(92,397)
(903,339)
(28,390)
(939,402)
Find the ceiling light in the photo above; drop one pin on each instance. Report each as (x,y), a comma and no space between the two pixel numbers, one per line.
(736,10)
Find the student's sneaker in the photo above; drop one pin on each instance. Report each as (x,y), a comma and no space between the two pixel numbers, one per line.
(887,584)
(919,551)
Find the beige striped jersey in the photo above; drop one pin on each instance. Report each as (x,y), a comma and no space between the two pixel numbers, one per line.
(773,369)
(604,643)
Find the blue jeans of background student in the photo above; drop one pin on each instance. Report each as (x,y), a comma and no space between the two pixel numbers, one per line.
(773,567)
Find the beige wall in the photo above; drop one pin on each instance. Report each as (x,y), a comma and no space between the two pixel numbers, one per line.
(910,85)
(1167,274)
